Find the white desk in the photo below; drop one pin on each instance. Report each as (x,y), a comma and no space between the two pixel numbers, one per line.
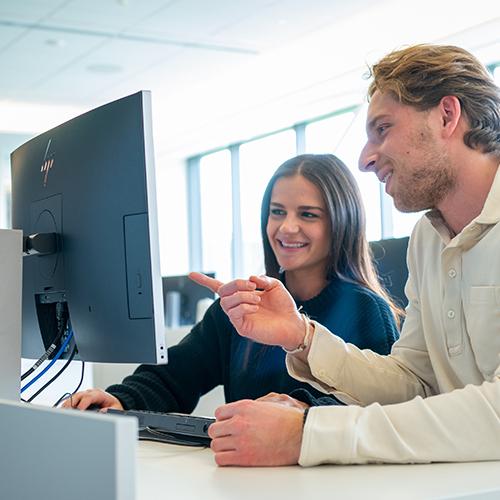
(44,451)
(176,472)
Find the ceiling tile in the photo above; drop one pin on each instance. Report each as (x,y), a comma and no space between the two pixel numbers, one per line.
(7,36)
(189,20)
(29,11)
(111,15)
(35,61)
(286,20)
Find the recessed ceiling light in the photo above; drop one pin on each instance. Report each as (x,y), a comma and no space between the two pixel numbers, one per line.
(104,68)
(55,42)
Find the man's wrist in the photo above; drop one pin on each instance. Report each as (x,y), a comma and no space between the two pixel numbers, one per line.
(304,417)
(308,329)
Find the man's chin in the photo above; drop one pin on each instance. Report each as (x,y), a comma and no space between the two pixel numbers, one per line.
(409,206)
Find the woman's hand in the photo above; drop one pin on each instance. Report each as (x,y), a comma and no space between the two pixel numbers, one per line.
(259,308)
(83,400)
(283,399)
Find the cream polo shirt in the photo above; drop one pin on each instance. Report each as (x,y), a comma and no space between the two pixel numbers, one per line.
(436,397)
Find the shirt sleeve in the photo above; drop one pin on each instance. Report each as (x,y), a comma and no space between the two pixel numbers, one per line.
(355,376)
(461,425)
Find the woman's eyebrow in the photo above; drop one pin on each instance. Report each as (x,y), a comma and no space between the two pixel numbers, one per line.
(311,207)
(301,207)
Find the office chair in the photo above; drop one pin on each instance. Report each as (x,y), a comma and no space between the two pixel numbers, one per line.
(389,257)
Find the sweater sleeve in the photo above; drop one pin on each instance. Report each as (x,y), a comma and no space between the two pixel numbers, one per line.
(195,366)
(365,320)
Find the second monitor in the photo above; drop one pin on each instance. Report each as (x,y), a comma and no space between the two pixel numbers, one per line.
(184,300)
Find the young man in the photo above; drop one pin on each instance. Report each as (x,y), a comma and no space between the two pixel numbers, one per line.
(433,131)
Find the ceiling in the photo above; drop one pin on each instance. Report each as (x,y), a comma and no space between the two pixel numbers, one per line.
(218,69)
(84,51)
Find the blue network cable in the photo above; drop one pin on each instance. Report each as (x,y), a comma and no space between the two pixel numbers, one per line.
(54,359)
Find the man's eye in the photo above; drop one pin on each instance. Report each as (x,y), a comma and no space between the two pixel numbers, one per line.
(382,128)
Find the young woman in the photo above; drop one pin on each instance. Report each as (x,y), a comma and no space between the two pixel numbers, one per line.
(313,232)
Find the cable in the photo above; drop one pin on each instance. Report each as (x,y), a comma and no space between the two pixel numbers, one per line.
(44,356)
(54,359)
(81,378)
(69,360)
(65,396)
(69,394)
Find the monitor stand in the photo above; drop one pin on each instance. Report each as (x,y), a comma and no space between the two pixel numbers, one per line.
(11,250)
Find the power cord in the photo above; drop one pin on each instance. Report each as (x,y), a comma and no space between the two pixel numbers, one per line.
(67,395)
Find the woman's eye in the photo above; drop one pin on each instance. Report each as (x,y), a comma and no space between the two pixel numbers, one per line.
(309,215)
(277,211)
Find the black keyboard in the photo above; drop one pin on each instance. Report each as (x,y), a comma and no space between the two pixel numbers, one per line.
(174,428)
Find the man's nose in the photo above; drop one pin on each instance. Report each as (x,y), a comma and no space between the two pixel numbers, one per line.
(367,159)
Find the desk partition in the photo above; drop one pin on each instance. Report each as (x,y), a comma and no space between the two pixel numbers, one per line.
(10,313)
(53,454)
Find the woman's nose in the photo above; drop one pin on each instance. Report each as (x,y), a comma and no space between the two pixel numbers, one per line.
(289,225)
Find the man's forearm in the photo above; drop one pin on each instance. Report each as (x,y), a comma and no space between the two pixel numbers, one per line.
(459,426)
(352,374)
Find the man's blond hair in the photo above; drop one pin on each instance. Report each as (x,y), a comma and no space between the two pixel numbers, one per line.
(421,75)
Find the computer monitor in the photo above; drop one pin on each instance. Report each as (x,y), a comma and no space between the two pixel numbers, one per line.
(389,257)
(91,181)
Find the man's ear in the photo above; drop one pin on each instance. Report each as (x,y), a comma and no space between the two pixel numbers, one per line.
(451,111)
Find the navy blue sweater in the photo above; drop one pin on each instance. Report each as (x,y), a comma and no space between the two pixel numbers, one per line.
(214,354)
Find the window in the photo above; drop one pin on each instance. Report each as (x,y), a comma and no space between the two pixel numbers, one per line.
(348,151)
(216,214)
(258,161)
(324,136)
(172,218)
(8,143)
(232,184)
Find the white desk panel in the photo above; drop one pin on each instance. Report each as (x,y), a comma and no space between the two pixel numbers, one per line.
(11,244)
(49,454)
(176,472)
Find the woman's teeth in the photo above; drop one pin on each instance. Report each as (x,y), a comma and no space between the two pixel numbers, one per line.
(292,245)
